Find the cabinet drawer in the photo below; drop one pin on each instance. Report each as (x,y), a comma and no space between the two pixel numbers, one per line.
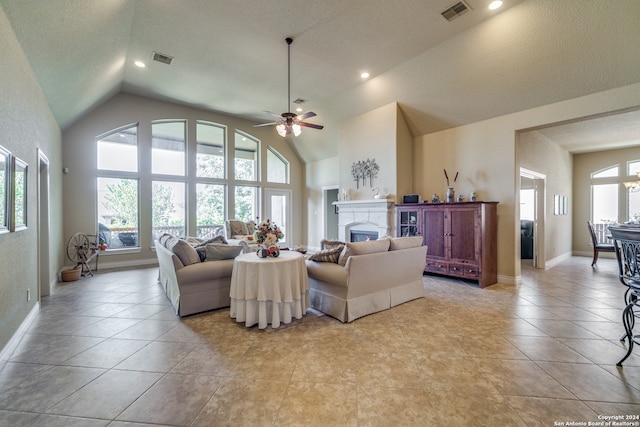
(469,271)
(434,266)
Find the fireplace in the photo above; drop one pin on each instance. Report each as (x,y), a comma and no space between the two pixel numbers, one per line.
(361,235)
(373,217)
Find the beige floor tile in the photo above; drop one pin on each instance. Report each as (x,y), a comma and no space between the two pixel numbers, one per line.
(176,400)
(244,402)
(395,407)
(453,374)
(522,378)
(388,369)
(544,412)
(330,364)
(157,357)
(147,330)
(591,382)
(107,396)
(317,404)
(546,349)
(106,328)
(469,409)
(51,349)
(106,354)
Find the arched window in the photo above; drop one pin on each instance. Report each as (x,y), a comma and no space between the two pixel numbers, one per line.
(277,167)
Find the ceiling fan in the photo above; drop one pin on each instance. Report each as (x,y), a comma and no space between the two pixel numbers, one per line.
(288,122)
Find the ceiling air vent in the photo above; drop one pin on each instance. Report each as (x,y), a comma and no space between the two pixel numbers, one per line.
(160,57)
(454,11)
(299,101)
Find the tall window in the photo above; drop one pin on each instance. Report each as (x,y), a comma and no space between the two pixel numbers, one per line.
(277,167)
(246,202)
(210,201)
(117,188)
(633,196)
(168,147)
(210,148)
(246,157)
(168,208)
(118,212)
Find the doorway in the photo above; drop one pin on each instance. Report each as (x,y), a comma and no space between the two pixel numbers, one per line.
(330,195)
(532,210)
(44,278)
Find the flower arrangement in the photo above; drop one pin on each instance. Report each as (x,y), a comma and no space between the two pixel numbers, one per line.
(268,233)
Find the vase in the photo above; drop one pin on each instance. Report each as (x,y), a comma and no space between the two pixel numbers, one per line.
(451,195)
(273,251)
(261,252)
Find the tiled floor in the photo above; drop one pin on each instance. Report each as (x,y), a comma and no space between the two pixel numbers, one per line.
(109,350)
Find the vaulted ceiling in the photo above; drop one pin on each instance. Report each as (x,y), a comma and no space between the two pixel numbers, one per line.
(230,57)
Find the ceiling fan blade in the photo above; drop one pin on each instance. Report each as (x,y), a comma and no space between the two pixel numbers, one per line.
(274,114)
(311,125)
(266,124)
(306,115)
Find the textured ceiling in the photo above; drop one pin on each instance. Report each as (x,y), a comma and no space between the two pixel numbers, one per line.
(231,56)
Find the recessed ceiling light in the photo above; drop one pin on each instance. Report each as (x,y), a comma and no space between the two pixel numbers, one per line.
(299,109)
(140,64)
(495,4)
(364,75)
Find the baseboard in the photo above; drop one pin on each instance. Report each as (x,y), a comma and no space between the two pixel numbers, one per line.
(611,255)
(8,349)
(557,260)
(508,280)
(114,265)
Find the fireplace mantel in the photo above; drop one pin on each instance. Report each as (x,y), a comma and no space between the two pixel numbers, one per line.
(368,215)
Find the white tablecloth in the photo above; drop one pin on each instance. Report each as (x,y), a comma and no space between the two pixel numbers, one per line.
(269,290)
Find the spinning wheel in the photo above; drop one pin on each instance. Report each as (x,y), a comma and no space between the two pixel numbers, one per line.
(79,250)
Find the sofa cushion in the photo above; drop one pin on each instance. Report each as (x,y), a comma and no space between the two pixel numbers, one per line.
(217,251)
(397,243)
(362,248)
(187,253)
(327,255)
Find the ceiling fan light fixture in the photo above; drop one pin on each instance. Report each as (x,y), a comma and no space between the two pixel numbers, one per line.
(297,130)
(282,130)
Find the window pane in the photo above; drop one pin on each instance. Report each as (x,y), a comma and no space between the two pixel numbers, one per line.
(246,157)
(118,151)
(210,141)
(277,167)
(633,167)
(606,173)
(604,203)
(168,203)
(246,208)
(279,213)
(209,209)
(118,212)
(168,148)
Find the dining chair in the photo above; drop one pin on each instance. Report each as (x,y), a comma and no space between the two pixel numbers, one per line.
(627,248)
(597,247)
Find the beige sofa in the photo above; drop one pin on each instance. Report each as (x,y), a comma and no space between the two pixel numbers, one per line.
(368,277)
(193,285)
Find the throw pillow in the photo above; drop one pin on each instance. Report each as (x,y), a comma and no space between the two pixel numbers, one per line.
(162,239)
(327,255)
(187,253)
(238,228)
(362,248)
(330,244)
(397,243)
(217,251)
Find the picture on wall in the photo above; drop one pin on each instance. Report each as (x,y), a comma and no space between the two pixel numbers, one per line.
(19,192)
(5,173)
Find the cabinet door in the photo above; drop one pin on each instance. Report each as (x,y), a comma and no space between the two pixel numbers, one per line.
(433,229)
(463,225)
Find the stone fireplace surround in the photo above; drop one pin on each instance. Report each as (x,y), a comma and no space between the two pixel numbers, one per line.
(374,215)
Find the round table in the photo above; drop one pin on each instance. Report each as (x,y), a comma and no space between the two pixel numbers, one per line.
(269,290)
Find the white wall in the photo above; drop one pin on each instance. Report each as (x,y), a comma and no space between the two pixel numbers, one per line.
(26,124)
(484,154)
(543,156)
(79,155)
